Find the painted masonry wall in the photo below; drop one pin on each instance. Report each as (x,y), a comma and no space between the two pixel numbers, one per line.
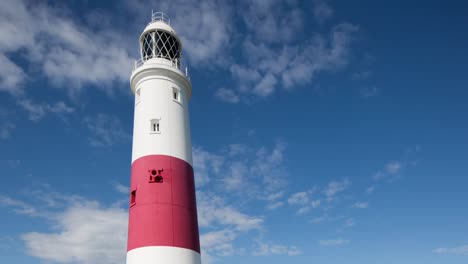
(155,101)
(163,226)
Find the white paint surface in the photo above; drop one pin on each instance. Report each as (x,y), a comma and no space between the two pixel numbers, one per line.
(165,255)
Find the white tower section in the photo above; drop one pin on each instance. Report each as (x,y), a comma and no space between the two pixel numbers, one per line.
(163,226)
(162,110)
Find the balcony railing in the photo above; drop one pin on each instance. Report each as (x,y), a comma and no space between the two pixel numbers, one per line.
(163,61)
(160,16)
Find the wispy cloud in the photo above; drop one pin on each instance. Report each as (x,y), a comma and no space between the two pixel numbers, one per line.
(334,242)
(460,250)
(74,55)
(370,189)
(18,206)
(322,11)
(219,242)
(258,172)
(6,130)
(227,95)
(205,164)
(90,242)
(335,187)
(390,172)
(319,219)
(360,205)
(213,210)
(64,50)
(299,198)
(106,130)
(121,188)
(12,76)
(290,65)
(238,174)
(37,111)
(266,249)
(303,200)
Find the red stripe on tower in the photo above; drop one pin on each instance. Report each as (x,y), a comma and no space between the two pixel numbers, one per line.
(163,210)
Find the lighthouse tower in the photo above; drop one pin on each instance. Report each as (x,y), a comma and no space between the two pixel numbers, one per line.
(163,225)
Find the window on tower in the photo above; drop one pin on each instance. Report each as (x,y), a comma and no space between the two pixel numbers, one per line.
(155,126)
(133,198)
(175,94)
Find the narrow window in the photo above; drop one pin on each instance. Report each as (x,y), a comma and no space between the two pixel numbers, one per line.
(155,127)
(133,198)
(176,94)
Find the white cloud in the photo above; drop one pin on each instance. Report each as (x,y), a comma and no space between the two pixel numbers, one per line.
(84,232)
(370,189)
(73,54)
(266,86)
(38,111)
(205,164)
(265,23)
(389,172)
(360,205)
(18,206)
(275,205)
(393,167)
(121,188)
(106,130)
(319,219)
(322,11)
(333,242)
(460,250)
(227,95)
(5,130)
(235,176)
(298,198)
(258,172)
(316,203)
(68,53)
(213,210)
(275,196)
(288,64)
(11,75)
(335,187)
(219,243)
(269,168)
(266,249)
(303,210)
(222,223)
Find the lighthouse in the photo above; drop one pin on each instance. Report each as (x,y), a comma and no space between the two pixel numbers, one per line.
(163,226)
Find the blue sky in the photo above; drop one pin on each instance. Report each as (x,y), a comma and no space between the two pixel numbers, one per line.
(323,131)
